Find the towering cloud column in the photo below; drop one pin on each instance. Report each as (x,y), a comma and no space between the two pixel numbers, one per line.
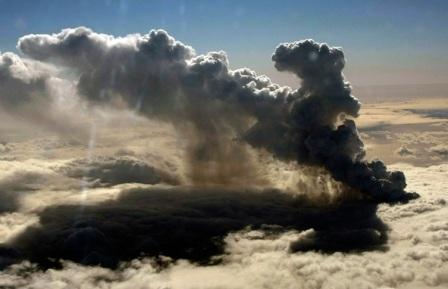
(321,132)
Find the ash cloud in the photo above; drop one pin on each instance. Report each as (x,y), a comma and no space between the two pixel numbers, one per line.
(212,104)
(152,72)
(320,126)
(216,110)
(188,223)
(162,78)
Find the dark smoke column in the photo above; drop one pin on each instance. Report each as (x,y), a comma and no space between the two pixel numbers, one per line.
(319,132)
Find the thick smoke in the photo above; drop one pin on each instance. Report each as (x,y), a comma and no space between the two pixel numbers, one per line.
(212,104)
(323,101)
(161,78)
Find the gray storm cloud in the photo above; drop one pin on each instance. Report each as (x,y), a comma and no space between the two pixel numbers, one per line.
(214,105)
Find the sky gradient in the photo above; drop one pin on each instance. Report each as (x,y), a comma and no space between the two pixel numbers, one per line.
(385,42)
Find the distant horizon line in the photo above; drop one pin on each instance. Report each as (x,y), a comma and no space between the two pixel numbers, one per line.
(400,84)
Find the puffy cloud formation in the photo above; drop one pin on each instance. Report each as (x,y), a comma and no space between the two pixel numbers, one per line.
(163,78)
(441,150)
(15,185)
(154,72)
(324,97)
(32,93)
(21,81)
(18,179)
(107,171)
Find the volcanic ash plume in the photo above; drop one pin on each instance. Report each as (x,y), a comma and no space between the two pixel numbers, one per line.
(317,128)
(213,105)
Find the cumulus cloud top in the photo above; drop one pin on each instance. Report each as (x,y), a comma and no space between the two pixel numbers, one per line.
(309,59)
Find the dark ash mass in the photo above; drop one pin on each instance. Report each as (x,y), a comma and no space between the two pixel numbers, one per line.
(189,224)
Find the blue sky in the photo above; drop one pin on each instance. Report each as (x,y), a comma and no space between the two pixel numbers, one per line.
(385,42)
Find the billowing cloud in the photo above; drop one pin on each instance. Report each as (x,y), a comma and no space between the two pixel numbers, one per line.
(153,72)
(212,104)
(18,179)
(32,93)
(162,78)
(441,150)
(116,170)
(21,81)
(14,186)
